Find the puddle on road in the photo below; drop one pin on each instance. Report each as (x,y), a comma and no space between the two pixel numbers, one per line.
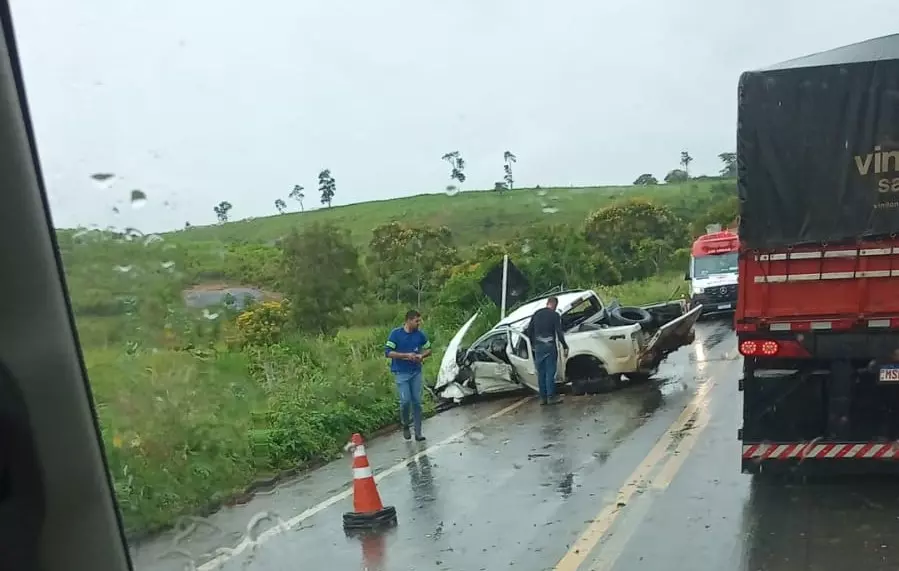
(713,332)
(686,368)
(421,478)
(372,548)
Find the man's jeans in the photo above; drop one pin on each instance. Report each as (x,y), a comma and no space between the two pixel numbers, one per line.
(409,387)
(546,357)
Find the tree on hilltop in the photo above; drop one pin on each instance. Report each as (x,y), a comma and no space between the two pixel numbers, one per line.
(221,211)
(297,194)
(730,164)
(508,159)
(646,179)
(457,166)
(327,186)
(685,160)
(676,175)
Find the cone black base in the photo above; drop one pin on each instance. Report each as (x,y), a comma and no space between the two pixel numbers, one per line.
(382,518)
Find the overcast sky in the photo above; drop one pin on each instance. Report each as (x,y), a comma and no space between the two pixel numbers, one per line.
(197,101)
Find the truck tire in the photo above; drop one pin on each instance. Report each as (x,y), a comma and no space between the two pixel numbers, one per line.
(630,316)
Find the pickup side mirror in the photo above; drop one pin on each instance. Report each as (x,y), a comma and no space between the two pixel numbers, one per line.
(687,276)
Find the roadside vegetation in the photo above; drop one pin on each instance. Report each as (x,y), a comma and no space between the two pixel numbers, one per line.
(197,403)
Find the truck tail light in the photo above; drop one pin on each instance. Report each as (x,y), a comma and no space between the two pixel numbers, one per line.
(772,348)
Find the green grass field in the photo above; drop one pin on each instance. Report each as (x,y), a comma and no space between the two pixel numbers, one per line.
(474,217)
(188,420)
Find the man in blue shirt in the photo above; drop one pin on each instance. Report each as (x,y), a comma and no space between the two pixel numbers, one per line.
(407,347)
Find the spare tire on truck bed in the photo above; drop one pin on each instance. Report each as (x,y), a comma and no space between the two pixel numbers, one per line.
(630,316)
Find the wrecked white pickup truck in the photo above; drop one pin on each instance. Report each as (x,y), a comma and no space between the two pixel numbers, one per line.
(605,342)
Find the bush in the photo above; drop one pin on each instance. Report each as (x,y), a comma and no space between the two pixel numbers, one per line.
(639,236)
(311,412)
(725,211)
(323,277)
(408,262)
(559,255)
(263,323)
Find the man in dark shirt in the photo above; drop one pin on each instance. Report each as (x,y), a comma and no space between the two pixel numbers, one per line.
(545,333)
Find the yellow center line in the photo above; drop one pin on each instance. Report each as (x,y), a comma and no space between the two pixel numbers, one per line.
(600,525)
(660,482)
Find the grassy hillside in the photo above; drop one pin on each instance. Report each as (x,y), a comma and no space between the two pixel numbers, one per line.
(104,270)
(474,217)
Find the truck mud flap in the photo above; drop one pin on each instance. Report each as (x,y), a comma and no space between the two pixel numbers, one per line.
(814,457)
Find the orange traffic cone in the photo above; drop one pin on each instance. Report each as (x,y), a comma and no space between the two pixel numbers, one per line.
(368,511)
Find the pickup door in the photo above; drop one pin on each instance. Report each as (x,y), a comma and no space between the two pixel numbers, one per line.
(521,353)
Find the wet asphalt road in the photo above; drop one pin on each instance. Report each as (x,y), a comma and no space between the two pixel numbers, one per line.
(643,478)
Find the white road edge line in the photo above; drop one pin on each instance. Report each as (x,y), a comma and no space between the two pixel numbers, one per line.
(289,524)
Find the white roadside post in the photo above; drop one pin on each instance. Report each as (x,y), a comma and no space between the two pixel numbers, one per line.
(502,305)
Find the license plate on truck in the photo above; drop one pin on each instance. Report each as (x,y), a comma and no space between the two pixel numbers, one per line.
(889,373)
(724,306)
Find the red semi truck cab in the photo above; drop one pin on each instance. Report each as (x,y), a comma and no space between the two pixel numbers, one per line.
(817,316)
(713,271)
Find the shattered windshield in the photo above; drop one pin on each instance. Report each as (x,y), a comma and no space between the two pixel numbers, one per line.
(581,312)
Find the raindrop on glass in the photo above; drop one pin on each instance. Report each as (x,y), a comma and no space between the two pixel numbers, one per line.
(550,209)
(115,209)
(152,239)
(138,199)
(541,193)
(526,247)
(452,190)
(209,315)
(123,269)
(104,180)
(168,265)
